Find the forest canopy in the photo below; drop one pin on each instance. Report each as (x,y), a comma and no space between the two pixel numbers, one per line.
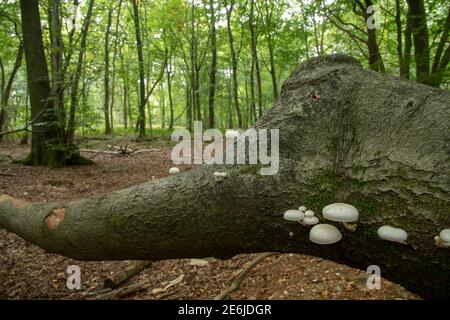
(136,67)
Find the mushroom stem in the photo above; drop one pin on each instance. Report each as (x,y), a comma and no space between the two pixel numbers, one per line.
(441,244)
(350,227)
(303,224)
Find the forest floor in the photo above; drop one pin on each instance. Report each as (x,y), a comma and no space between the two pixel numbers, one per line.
(27,272)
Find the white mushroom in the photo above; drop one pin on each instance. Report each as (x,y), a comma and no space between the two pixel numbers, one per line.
(309,214)
(310,221)
(392,234)
(220,176)
(324,234)
(341,212)
(302,208)
(443,239)
(293,215)
(174,170)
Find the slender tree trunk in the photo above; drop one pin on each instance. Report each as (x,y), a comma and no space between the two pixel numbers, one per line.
(441,58)
(56,58)
(273,72)
(255,58)
(142,102)
(162,105)
(77,75)
(106,77)
(408,46)
(376,62)
(6,89)
(388,158)
(212,72)
(233,65)
(421,44)
(125,101)
(253,115)
(169,89)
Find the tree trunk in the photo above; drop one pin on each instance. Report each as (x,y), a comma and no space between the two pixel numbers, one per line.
(56,58)
(408,46)
(77,75)
(45,133)
(273,73)
(6,90)
(255,58)
(212,72)
(234,66)
(421,43)
(371,140)
(142,100)
(106,78)
(169,72)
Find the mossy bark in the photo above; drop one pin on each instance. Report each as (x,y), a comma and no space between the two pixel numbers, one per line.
(346,135)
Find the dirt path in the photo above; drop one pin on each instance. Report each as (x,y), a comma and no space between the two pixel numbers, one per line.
(27,272)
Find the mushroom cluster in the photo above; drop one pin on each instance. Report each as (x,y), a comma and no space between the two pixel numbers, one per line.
(302,216)
(443,239)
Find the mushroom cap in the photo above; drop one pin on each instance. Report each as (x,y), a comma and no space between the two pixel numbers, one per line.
(220,174)
(310,221)
(302,208)
(309,213)
(174,170)
(392,234)
(324,234)
(293,215)
(340,212)
(445,235)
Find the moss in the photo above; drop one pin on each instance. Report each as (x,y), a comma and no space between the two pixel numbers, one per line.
(118,220)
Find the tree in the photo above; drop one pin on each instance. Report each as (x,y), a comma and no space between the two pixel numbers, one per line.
(212,70)
(142,100)
(255,61)
(234,64)
(106,82)
(389,158)
(419,29)
(45,133)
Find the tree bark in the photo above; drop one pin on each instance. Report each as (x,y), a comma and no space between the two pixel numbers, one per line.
(106,78)
(377,142)
(212,70)
(76,77)
(6,90)
(45,134)
(419,31)
(169,72)
(142,100)
(255,58)
(233,65)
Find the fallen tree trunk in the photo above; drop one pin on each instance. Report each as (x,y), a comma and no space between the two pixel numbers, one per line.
(346,135)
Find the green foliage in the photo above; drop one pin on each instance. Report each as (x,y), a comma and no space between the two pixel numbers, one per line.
(295,30)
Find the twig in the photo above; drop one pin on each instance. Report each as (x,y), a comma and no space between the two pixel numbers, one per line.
(236,284)
(116,279)
(122,292)
(7,174)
